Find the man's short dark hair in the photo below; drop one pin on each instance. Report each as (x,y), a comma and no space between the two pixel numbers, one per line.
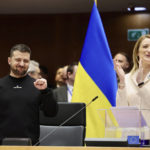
(125,55)
(21,48)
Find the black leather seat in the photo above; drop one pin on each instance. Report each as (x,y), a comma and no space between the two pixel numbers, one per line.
(67,128)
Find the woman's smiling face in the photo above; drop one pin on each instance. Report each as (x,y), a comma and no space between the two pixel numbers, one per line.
(144,50)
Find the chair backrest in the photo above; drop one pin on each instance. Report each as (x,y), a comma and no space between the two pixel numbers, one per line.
(17,141)
(71,133)
(62,136)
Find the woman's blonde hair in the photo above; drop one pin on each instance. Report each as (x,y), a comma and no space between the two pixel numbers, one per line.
(136,51)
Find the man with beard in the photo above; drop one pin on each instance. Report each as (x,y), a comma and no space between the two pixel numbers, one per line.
(21,97)
(123,60)
(59,78)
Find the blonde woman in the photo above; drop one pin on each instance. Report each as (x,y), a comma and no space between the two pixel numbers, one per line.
(134,87)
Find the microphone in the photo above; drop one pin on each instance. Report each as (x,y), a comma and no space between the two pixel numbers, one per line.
(48,134)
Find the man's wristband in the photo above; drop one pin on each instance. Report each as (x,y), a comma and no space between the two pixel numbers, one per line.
(140,84)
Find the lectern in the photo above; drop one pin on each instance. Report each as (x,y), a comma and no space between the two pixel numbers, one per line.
(124,126)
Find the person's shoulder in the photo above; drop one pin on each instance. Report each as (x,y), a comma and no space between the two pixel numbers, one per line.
(64,87)
(30,78)
(3,79)
(28,81)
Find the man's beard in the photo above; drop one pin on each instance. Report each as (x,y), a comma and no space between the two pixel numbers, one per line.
(18,73)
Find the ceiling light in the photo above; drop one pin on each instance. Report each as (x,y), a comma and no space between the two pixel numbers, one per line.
(136,8)
(139,8)
(129,9)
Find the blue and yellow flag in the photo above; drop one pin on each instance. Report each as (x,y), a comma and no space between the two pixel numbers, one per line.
(95,76)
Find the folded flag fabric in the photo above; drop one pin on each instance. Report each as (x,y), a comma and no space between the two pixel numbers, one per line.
(95,76)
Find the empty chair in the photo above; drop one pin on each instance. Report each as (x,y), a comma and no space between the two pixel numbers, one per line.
(17,141)
(67,128)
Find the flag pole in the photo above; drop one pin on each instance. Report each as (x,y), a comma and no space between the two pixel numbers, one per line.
(95,2)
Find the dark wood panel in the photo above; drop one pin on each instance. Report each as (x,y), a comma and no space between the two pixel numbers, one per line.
(57,40)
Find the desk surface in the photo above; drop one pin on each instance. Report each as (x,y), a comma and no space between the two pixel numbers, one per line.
(67,148)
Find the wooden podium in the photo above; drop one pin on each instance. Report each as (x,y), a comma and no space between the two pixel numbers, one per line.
(67,148)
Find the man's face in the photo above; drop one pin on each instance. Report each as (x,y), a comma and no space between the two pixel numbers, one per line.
(71,76)
(122,61)
(36,74)
(59,75)
(19,63)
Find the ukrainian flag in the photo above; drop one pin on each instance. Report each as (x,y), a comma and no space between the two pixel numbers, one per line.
(95,76)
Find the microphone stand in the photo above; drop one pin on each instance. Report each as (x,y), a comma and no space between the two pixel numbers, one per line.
(48,134)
